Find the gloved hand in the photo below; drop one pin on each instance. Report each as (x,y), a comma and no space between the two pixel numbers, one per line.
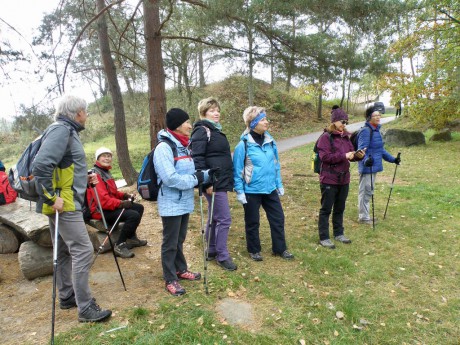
(214,173)
(125,204)
(280,191)
(369,162)
(241,197)
(199,174)
(397,161)
(128,196)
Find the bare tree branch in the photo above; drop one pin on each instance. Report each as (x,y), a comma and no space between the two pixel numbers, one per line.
(81,34)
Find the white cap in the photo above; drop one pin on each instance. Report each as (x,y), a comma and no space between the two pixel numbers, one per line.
(102,150)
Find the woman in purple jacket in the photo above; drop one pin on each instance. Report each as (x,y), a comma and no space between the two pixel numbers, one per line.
(335,151)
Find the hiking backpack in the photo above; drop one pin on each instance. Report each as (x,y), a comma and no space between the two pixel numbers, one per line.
(7,194)
(147,181)
(315,160)
(20,175)
(355,137)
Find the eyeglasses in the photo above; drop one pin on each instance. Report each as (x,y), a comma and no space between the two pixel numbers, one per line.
(376,115)
(344,122)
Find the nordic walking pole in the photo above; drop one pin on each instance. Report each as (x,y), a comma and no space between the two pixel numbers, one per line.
(55,253)
(107,230)
(203,236)
(105,240)
(372,196)
(392,184)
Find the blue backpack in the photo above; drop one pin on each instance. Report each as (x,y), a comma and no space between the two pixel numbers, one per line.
(147,181)
(355,136)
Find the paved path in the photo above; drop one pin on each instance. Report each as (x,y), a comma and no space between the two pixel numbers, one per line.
(291,143)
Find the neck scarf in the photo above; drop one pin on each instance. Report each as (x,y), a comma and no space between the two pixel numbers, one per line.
(183,139)
(102,167)
(215,124)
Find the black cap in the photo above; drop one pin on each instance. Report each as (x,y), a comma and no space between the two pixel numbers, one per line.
(175,117)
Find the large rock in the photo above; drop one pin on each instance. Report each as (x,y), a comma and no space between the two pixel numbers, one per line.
(443,135)
(21,216)
(34,260)
(401,137)
(8,240)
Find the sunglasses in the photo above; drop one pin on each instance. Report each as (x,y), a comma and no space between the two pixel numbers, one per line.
(344,122)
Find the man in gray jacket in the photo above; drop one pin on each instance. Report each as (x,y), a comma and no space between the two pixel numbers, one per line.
(61,178)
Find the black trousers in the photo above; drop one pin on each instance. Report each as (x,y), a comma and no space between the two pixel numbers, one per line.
(333,197)
(172,254)
(131,217)
(272,205)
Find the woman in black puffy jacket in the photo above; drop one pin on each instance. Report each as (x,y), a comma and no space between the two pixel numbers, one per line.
(210,149)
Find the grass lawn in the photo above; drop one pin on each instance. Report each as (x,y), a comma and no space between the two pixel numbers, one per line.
(398,284)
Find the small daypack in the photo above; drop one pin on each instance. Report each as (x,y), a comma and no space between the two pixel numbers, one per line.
(355,137)
(20,175)
(147,181)
(7,194)
(315,160)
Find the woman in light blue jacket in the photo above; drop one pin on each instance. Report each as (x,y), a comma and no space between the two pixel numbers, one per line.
(256,171)
(177,177)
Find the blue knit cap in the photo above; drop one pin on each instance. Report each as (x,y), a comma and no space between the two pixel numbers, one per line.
(2,167)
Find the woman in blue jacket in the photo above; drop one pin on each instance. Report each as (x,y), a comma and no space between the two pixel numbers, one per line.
(370,138)
(177,176)
(257,180)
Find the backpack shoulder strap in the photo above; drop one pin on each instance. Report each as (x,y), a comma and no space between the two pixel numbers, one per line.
(171,145)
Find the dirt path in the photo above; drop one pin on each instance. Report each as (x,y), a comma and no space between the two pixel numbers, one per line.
(25,306)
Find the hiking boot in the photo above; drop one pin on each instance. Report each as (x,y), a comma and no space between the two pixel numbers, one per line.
(367,221)
(122,251)
(285,255)
(327,244)
(227,265)
(343,239)
(256,256)
(68,303)
(135,242)
(174,288)
(211,256)
(187,275)
(94,313)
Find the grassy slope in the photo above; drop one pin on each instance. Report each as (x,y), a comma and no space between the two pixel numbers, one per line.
(401,279)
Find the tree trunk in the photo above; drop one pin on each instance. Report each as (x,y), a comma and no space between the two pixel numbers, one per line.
(121,139)
(202,80)
(185,75)
(291,60)
(343,87)
(155,70)
(251,67)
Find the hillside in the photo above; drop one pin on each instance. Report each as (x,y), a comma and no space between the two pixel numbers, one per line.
(288,113)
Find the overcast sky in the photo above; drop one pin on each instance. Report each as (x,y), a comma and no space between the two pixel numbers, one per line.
(23,87)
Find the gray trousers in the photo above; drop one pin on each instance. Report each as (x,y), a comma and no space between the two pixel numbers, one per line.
(365,195)
(74,257)
(172,247)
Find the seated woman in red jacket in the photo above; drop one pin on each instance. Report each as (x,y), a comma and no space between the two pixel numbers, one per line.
(112,203)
